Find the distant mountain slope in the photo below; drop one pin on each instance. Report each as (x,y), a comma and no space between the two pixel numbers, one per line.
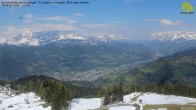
(59,59)
(87,57)
(180,67)
(167,43)
(164,48)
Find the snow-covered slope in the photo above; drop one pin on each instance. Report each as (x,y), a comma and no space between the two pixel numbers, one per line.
(132,101)
(142,99)
(155,99)
(10,101)
(85,104)
(128,98)
(174,35)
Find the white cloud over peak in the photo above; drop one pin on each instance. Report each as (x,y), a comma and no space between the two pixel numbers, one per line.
(167,22)
(171,23)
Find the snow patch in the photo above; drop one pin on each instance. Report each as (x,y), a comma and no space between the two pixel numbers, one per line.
(85,104)
(154,99)
(128,98)
(19,102)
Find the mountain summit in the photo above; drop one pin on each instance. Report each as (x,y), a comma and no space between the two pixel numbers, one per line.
(30,38)
(174,36)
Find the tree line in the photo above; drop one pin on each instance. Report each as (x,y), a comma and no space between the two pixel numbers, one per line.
(52,91)
(114,93)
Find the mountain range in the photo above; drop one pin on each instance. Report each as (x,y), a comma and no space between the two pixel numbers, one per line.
(68,57)
(29,38)
(72,56)
(174,36)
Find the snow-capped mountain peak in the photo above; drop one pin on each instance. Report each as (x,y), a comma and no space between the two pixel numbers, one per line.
(29,38)
(19,38)
(71,36)
(173,36)
(27,33)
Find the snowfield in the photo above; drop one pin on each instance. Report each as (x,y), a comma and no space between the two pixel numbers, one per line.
(85,104)
(155,99)
(129,102)
(128,98)
(122,108)
(9,101)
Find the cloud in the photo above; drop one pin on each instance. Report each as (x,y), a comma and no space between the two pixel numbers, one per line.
(28,21)
(171,23)
(55,18)
(94,26)
(51,27)
(167,22)
(78,14)
(29,16)
(68,20)
(118,22)
(37,23)
(36,27)
(104,25)
(130,1)
(34,17)
(102,28)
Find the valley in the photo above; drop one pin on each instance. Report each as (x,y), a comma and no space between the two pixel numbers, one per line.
(97,55)
(99,72)
(71,56)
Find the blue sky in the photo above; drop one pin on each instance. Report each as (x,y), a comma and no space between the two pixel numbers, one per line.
(132,18)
